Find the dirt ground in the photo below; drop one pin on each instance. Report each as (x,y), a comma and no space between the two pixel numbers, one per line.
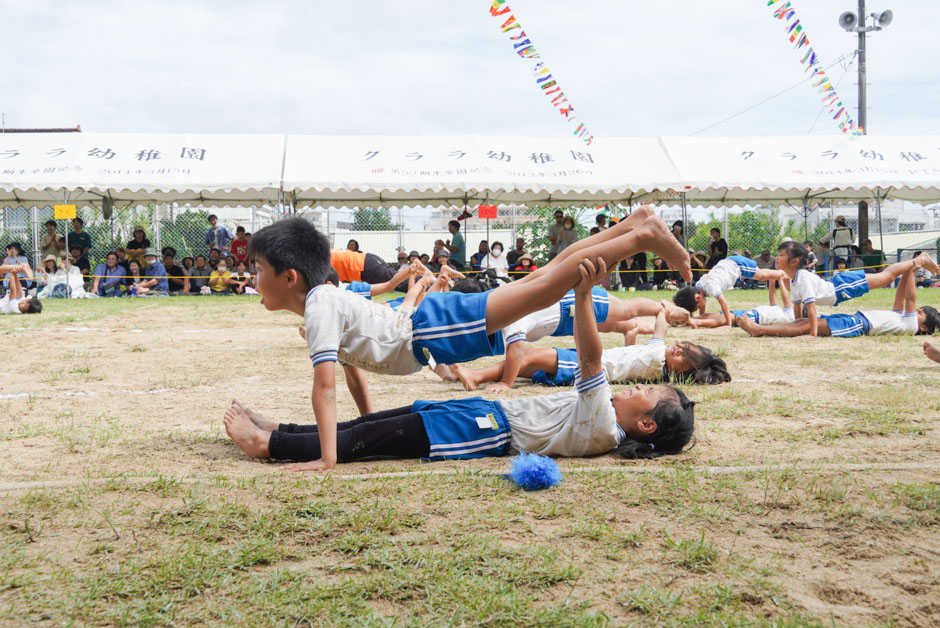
(95,389)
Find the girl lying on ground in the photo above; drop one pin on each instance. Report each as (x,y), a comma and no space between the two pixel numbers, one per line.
(650,362)
(14,302)
(641,422)
(771,314)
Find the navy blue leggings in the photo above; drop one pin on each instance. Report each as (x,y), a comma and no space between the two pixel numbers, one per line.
(397,433)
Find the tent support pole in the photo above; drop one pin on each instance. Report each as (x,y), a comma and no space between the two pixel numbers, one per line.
(881,230)
(34,219)
(685,220)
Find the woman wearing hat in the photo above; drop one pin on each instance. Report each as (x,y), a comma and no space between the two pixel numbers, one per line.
(137,246)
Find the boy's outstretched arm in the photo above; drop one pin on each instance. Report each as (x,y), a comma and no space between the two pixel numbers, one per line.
(324,408)
(725,311)
(587,340)
(399,277)
(708,321)
(766,274)
(358,387)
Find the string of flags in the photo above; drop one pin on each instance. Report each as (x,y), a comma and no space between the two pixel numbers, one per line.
(522,44)
(797,36)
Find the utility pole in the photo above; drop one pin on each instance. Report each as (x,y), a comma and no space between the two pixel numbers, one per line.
(862,111)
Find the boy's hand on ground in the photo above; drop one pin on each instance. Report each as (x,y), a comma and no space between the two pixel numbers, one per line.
(313,465)
(498,387)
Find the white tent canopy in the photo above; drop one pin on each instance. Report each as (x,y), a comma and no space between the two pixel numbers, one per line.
(135,167)
(391,171)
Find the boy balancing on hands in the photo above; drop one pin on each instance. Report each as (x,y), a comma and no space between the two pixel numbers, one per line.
(14,302)
(809,290)
(719,279)
(292,259)
(641,422)
(650,362)
(906,318)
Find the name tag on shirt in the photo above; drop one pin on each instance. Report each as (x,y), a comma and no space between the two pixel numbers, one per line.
(571,311)
(487,422)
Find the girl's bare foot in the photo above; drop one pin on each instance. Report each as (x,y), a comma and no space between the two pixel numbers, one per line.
(445,373)
(659,240)
(932,352)
(925,261)
(749,326)
(451,273)
(251,440)
(465,377)
(262,423)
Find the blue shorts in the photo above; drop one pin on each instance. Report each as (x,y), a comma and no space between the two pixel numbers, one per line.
(850,285)
(464,428)
(599,298)
(564,375)
(747,266)
(361,288)
(754,315)
(451,328)
(395,303)
(846,325)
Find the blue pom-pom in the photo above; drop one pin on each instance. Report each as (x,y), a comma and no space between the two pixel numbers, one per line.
(533,472)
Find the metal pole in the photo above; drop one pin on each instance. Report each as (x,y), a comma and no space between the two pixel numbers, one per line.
(862,109)
(34,218)
(156,227)
(881,229)
(685,235)
(401,230)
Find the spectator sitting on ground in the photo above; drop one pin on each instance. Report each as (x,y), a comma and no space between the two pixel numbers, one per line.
(137,246)
(764,260)
(176,279)
(15,257)
(49,245)
(840,265)
(217,237)
(230,262)
(78,259)
(476,260)
(697,259)
(50,266)
(240,245)
(122,258)
(442,259)
(661,273)
(402,260)
(154,274)
(523,266)
(496,261)
(80,236)
(811,259)
(513,256)
(188,262)
(109,277)
(220,279)
(134,279)
(215,256)
(594,231)
(199,275)
(600,222)
(352,245)
(425,259)
(240,279)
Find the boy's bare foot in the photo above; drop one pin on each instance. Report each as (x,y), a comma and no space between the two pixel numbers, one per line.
(262,423)
(932,352)
(445,372)
(749,326)
(451,273)
(629,337)
(302,331)
(251,440)
(29,271)
(925,261)
(661,242)
(676,315)
(465,377)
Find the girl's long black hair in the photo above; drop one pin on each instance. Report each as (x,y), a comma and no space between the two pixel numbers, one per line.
(675,424)
(707,368)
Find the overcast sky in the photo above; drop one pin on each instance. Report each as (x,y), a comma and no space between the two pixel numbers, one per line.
(630,67)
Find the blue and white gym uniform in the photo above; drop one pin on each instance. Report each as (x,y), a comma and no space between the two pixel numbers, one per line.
(725,274)
(809,288)
(361,288)
(846,325)
(849,284)
(555,320)
(872,323)
(767,314)
(620,364)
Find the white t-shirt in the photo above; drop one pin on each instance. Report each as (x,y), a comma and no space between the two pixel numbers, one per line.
(640,362)
(499,264)
(720,278)
(887,322)
(342,326)
(809,288)
(774,314)
(10,306)
(534,326)
(581,422)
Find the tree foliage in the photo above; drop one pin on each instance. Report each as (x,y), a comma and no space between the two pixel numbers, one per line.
(367,219)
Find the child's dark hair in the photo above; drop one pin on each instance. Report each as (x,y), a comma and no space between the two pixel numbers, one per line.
(35,307)
(293,243)
(675,424)
(707,368)
(931,321)
(793,250)
(470,285)
(685,298)
(332,277)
